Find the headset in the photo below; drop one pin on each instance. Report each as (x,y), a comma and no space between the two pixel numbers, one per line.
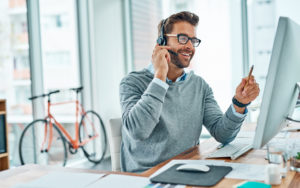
(162,40)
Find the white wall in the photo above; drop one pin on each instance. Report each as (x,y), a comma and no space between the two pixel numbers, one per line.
(108,56)
(288,8)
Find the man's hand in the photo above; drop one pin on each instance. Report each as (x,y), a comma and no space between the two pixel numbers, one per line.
(246,93)
(160,60)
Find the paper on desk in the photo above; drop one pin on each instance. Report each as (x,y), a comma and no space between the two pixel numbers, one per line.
(239,170)
(117,180)
(62,180)
(246,171)
(250,134)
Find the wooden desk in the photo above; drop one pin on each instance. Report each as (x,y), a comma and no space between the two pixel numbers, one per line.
(292,179)
(27,173)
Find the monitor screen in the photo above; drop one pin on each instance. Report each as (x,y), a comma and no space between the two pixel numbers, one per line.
(280,94)
(2,134)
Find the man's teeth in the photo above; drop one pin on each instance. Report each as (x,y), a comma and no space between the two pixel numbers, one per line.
(185,54)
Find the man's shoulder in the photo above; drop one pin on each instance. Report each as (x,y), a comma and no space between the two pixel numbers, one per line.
(138,76)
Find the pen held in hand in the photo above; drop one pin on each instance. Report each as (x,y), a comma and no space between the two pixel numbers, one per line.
(249,76)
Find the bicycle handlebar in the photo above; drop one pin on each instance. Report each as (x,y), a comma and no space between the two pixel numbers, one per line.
(78,89)
(44,95)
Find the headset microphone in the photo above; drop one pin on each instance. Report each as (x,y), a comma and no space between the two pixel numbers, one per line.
(172,52)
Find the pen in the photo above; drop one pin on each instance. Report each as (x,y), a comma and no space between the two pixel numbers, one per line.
(249,75)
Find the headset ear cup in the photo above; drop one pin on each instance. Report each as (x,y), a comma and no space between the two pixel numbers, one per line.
(159,41)
(162,41)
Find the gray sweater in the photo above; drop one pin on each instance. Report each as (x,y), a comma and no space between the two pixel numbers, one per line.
(158,124)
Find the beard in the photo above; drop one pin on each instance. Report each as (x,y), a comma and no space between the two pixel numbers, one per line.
(176,61)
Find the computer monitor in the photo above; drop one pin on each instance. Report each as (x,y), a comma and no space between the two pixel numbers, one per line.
(280,94)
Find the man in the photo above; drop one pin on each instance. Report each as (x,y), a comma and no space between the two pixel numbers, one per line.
(164,107)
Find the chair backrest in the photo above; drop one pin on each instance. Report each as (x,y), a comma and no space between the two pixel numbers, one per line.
(115,139)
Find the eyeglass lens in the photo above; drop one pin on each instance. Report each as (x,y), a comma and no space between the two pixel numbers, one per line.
(183,39)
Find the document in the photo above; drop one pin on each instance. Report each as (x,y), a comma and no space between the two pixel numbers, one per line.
(239,170)
(62,180)
(251,134)
(117,181)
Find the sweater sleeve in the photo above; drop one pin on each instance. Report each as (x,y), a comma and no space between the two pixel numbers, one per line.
(140,110)
(223,127)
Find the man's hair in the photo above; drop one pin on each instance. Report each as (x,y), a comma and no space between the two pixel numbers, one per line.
(185,16)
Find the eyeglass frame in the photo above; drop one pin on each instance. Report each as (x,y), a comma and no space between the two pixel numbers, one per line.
(181,34)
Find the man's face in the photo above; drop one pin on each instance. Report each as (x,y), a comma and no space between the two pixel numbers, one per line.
(185,51)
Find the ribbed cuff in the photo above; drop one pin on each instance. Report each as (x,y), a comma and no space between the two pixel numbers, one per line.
(233,116)
(161,83)
(238,114)
(156,91)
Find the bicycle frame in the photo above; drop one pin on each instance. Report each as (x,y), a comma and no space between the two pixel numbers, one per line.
(74,142)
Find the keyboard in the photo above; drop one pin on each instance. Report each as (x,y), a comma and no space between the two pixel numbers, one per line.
(232,150)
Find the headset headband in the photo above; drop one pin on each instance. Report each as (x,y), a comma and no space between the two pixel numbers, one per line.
(162,39)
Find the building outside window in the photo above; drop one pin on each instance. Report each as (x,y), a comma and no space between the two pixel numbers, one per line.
(60,58)
(15,70)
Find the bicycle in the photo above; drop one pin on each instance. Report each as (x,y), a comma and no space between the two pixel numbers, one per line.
(43,141)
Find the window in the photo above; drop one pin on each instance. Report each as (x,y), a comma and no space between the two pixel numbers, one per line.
(60,57)
(15,70)
(263,17)
(59,44)
(144,30)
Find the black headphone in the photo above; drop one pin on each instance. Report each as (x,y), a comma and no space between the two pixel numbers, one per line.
(162,40)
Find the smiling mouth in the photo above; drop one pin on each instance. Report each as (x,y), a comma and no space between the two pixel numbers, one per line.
(186,55)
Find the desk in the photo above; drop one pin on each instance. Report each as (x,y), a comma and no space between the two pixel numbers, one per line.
(292,180)
(252,157)
(27,173)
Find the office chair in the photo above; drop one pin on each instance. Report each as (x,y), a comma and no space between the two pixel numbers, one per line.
(115,139)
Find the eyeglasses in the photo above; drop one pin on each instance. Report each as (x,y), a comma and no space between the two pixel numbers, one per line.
(183,39)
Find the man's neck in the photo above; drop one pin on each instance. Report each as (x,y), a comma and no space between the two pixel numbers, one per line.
(174,73)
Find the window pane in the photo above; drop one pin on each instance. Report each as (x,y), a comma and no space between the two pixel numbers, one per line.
(14,70)
(145,18)
(59,50)
(59,44)
(263,17)
(60,57)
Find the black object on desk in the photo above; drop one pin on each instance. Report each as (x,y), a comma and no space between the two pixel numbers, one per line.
(2,134)
(210,178)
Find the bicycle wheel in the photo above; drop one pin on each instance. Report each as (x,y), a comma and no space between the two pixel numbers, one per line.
(91,125)
(31,143)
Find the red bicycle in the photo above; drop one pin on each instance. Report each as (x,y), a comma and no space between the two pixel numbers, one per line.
(43,141)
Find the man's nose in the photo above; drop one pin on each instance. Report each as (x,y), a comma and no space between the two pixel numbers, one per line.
(189,44)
